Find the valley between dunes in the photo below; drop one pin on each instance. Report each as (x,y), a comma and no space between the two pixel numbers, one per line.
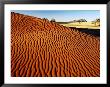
(40,48)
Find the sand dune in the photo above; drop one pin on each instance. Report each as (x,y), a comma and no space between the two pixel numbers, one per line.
(40,48)
(82,25)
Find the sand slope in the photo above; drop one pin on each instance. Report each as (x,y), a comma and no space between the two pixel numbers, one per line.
(41,48)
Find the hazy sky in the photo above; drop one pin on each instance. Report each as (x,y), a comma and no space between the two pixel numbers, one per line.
(62,15)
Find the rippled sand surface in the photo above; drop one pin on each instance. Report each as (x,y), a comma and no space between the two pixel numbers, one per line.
(40,48)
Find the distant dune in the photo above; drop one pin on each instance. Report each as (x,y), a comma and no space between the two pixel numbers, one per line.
(40,48)
(82,25)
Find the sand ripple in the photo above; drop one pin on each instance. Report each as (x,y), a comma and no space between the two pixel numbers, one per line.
(41,48)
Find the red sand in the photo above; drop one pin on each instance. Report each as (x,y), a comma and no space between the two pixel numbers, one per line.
(41,48)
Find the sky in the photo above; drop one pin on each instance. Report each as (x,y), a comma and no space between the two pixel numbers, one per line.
(62,15)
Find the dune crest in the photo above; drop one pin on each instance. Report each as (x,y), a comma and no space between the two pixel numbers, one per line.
(40,48)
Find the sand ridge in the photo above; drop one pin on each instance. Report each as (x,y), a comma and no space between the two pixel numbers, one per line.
(40,48)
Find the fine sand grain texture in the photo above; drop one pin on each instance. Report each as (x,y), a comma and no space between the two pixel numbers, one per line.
(40,48)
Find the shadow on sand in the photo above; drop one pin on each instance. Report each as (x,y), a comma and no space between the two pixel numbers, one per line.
(94,32)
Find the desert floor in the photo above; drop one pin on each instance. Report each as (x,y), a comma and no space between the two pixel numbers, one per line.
(82,25)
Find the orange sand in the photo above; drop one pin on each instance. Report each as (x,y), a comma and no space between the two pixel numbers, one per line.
(40,48)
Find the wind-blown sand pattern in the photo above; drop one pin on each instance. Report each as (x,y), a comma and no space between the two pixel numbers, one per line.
(40,48)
